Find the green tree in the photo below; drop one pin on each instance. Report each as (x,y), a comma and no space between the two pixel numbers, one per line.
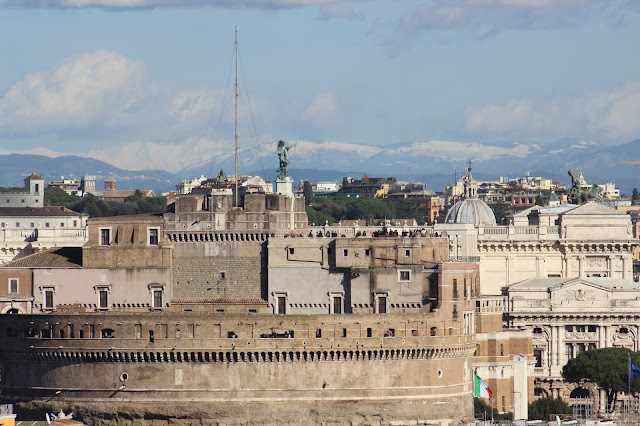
(539,200)
(635,195)
(58,197)
(607,367)
(405,209)
(318,217)
(482,411)
(500,211)
(544,408)
(307,191)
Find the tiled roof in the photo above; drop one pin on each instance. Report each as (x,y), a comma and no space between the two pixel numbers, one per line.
(37,211)
(63,257)
(33,176)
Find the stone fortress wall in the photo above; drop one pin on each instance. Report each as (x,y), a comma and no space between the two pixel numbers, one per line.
(294,362)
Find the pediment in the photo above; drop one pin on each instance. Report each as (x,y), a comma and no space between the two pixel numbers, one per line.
(579,291)
(592,208)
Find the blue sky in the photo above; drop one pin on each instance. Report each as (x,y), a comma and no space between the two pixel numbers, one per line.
(143,83)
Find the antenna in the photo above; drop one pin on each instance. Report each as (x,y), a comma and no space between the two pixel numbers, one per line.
(236,135)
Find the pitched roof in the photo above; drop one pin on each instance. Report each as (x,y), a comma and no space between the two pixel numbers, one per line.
(537,284)
(592,208)
(33,176)
(37,211)
(62,257)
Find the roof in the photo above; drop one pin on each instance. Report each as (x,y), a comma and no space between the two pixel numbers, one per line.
(542,284)
(593,208)
(38,211)
(62,257)
(33,176)
(110,179)
(473,211)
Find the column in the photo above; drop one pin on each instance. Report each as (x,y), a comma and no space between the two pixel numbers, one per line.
(553,343)
(540,266)
(625,268)
(636,344)
(611,262)
(567,266)
(607,336)
(561,349)
(601,337)
(581,264)
(510,270)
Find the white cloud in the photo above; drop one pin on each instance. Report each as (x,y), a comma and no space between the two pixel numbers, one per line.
(132,4)
(603,115)
(101,88)
(323,110)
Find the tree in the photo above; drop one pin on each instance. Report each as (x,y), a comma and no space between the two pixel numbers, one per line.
(307,191)
(58,197)
(500,211)
(607,367)
(539,200)
(635,195)
(482,411)
(544,408)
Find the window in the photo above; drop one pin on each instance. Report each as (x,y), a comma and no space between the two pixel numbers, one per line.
(381,300)
(103,297)
(61,224)
(291,250)
(568,328)
(455,288)
(407,253)
(337,302)
(591,329)
(48,298)
(32,224)
(47,225)
(404,275)
(157,299)
(537,354)
(13,286)
(346,252)
(105,236)
(154,236)
(17,224)
(367,252)
(75,223)
(280,303)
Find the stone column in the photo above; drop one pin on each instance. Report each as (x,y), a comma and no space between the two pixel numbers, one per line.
(611,263)
(561,360)
(510,269)
(601,337)
(607,336)
(566,261)
(553,343)
(625,267)
(581,264)
(540,267)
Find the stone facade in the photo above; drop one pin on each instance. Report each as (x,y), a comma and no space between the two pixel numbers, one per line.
(28,230)
(568,316)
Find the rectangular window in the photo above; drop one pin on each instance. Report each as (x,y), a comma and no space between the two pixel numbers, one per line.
(17,224)
(407,253)
(282,305)
(46,225)
(404,275)
(346,252)
(13,286)
(32,224)
(455,288)
(537,354)
(103,294)
(61,224)
(48,299)
(153,237)
(291,250)
(367,252)
(75,223)
(337,305)
(382,305)
(105,236)
(157,299)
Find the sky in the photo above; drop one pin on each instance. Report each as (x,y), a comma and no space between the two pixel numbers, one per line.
(149,84)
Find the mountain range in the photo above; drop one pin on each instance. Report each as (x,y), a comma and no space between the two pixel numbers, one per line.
(435,162)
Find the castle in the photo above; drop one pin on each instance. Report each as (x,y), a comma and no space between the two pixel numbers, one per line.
(229,306)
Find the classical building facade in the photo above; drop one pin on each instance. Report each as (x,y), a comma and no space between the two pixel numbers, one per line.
(568,316)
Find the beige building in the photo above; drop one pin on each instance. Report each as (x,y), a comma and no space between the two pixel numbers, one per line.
(568,316)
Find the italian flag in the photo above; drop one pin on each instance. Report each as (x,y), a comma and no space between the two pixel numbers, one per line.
(480,387)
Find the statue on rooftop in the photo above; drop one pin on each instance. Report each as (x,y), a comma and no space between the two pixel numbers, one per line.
(283,155)
(577,195)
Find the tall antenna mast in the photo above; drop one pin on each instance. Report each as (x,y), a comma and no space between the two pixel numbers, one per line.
(236,136)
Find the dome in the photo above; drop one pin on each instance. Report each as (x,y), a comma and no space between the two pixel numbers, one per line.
(473,211)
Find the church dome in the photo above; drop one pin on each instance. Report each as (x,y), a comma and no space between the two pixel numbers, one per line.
(473,211)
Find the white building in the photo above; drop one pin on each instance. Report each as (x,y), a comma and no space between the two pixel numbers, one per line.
(25,231)
(32,196)
(187,185)
(569,316)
